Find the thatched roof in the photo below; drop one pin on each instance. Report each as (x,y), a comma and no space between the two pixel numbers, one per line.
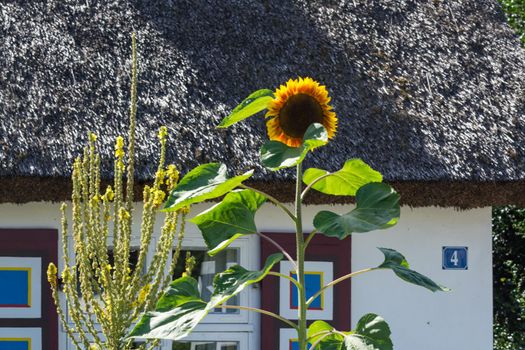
(429,92)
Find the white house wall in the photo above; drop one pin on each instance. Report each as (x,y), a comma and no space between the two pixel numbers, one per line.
(419,319)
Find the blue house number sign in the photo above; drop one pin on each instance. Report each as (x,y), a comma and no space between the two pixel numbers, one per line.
(455,258)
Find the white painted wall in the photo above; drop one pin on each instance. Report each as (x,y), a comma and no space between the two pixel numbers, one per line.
(419,319)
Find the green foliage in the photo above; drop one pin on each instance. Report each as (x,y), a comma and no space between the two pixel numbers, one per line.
(232,218)
(371,333)
(276,155)
(515,11)
(509,244)
(253,104)
(345,182)
(396,262)
(508,224)
(181,308)
(377,207)
(207,181)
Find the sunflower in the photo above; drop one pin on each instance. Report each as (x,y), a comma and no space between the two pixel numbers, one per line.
(297,105)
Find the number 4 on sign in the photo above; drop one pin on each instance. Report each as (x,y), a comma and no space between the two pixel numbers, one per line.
(455,258)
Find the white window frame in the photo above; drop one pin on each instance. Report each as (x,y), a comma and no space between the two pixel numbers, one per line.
(242,338)
(245,297)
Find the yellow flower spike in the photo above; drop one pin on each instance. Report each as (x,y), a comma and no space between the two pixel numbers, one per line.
(297,105)
(119,147)
(163,133)
(92,137)
(143,294)
(159,175)
(146,193)
(96,199)
(158,197)
(173,176)
(184,210)
(52,274)
(109,195)
(123,214)
(66,276)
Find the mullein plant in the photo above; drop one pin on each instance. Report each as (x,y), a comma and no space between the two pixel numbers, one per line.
(299,120)
(101,291)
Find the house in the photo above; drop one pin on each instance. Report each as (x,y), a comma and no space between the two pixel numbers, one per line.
(429,92)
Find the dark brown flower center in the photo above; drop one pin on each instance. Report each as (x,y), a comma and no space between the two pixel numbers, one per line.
(298,113)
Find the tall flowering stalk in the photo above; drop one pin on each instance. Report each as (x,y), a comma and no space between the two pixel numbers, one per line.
(98,285)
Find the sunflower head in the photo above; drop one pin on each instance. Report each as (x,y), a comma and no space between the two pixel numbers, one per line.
(297,105)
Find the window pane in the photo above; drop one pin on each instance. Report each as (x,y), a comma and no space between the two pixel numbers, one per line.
(204,271)
(206,346)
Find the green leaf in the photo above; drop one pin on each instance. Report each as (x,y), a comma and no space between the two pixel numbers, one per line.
(276,155)
(181,308)
(396,262)
(320,332)
(371,333)
(377,207)
(253,104)
(345,182)
(232,218)
(232,281)
(177,312)
(207,181)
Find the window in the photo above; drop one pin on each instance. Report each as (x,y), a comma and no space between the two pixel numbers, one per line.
(213,340)
(224,328)
(228,345)
(205,269)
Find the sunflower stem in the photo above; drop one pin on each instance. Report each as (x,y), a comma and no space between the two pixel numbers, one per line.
(300,260)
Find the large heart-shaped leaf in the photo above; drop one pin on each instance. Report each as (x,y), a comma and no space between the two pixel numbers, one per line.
(207,181)
(276,155)
(377,207)
(181,308)
(371,333)
(233,217)
(345,182)
(396,262)
(256,102)
(322,334)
